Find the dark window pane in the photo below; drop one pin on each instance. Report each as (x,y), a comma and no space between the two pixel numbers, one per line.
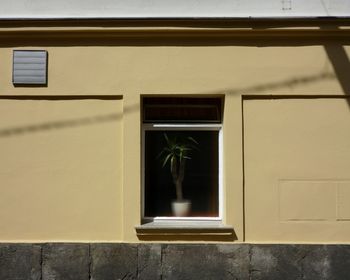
(181,109)
(200,184)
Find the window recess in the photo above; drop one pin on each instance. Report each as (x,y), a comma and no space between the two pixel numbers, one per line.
(182,159)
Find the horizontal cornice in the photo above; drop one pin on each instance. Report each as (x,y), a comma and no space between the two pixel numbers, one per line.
(165,28)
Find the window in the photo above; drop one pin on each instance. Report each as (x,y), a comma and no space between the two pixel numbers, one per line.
(181,158)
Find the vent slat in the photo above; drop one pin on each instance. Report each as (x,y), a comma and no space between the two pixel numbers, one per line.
(30,54)
(30,72)
(29,66)
(35,60)
(30,80)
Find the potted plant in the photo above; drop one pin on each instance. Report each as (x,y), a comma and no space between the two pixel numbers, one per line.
(175,153)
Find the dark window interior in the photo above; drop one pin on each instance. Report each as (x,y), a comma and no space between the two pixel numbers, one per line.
(182,109)
(201,182)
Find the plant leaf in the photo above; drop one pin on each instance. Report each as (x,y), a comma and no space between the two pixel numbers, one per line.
(166,159)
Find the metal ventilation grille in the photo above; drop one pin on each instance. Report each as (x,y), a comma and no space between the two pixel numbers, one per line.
(30,67)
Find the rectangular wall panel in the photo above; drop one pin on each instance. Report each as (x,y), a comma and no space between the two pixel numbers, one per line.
(296,155)
(60,169)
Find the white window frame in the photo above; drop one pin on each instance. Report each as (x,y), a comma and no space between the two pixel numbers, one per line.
(184,126)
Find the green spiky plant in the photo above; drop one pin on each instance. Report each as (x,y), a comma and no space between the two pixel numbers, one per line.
(175,153)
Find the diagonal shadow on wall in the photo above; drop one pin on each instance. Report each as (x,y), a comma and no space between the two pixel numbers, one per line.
(341,63)
(92,120)
(47,126)
(59,124)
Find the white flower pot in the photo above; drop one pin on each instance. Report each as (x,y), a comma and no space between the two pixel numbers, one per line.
(181,208)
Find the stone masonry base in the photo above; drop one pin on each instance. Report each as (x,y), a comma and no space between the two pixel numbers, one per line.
(112,261)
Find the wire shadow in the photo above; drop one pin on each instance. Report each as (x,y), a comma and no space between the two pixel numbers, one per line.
(60,124)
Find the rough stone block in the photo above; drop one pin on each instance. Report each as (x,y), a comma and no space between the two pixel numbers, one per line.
(339,258)
(205,262)
(113,261)
(149,261)
(238,256)
(315,262)
(65,261)
(276,262)
(173,261)
(20,261)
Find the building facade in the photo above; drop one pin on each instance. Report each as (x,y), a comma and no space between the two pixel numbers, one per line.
(90,95)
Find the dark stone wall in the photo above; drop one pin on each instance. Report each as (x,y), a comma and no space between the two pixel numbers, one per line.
(112,261)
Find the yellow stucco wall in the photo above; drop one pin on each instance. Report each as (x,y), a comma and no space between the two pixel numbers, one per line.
(297,181)
(82,182)
(61,169)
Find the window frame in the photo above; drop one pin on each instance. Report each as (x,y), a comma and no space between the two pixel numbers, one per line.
(183,126)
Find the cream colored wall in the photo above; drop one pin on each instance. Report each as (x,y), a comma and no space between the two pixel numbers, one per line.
(234,70)
(130,71)
(61,170)
(297,181)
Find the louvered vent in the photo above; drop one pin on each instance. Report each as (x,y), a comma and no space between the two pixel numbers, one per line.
(29,67)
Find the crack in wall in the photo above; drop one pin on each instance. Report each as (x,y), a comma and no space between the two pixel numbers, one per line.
(90,262)
(250,270)
(41,262)
(302,266)
(161,261)
(138,271)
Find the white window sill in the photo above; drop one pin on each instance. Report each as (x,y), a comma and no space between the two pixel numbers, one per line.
(184,228)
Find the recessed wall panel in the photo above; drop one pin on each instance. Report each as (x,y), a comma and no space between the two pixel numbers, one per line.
(296,168)
(302,200)
(343,201)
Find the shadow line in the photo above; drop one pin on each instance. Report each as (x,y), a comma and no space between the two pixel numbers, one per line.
(61,97)
(288,83)
(341,64)
(47,126)
(188,40)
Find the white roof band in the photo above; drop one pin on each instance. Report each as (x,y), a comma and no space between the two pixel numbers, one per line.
(29,9)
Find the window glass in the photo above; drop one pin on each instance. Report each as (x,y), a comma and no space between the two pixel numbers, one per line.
(181,109)
(200,182)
